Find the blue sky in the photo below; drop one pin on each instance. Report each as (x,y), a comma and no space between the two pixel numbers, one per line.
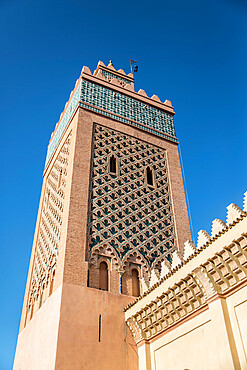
(191,52)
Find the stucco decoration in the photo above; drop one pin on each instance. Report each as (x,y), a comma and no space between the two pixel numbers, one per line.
(215,269)
(47,247)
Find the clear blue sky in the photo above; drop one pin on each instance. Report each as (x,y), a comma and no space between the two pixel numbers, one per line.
(192,52)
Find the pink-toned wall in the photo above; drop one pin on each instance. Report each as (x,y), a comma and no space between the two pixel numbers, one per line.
(64,333)
(78,337)
(37,342)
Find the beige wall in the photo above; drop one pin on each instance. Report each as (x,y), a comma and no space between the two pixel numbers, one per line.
(215,338)
(237,307)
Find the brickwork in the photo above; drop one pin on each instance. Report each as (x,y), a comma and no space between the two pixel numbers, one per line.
(48,241)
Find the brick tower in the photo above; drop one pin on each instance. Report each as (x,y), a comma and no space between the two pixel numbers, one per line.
(112,208)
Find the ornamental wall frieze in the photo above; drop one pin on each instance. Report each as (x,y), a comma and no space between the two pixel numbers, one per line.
(215,267)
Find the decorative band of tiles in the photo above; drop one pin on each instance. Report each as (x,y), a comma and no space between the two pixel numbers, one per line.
(118,107)
(128,121)
(63,124)
(109,76)
(127,107)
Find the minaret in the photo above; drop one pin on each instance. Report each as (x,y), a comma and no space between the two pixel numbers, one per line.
(112,208)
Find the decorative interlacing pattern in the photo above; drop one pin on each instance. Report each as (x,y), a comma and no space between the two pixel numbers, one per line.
(228,267)
(110,76)
(50,224)
(186,296)
(125,213)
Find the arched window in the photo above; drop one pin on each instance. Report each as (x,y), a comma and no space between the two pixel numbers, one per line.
(135,283)
(103,276)
(113,164)
(150,180)
(124,284)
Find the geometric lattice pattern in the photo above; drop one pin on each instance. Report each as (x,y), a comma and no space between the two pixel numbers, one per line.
(117,106)
(50,226)
(125,212)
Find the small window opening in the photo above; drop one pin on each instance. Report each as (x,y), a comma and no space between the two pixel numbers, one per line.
(47,200)
(31,314)
(88,278)
(113,164)
(60,179)
(52,283)
(41,295)
(99,328)
(150,176)
(103,276)
(135,283)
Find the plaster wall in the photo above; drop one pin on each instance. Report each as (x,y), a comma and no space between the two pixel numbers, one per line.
(78,339)
(214,338)
(37,342)
(199,343)
(237,307)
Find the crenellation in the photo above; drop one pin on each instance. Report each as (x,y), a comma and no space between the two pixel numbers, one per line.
(165,268)
(155,277)
(218,226)
(233,213)
(203,238)
(189,249)
(245,202)
(156,98)
(177,259)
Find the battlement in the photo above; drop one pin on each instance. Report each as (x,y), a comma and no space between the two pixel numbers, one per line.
(110,92)
(216,265)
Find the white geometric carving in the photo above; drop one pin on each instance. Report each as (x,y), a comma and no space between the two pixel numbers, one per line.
(155,277)
(177,259)
(144,284)
(245,201)
(189,249)
(203,238)
(217,227)
(165,268)
(233,213)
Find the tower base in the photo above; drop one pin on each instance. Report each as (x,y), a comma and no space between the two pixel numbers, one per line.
(78,328)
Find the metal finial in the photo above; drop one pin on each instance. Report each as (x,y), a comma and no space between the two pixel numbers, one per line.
(110,64)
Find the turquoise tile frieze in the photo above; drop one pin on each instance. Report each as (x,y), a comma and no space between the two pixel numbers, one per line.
(116,106)
(110,76)
(63,124)
(129,108)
